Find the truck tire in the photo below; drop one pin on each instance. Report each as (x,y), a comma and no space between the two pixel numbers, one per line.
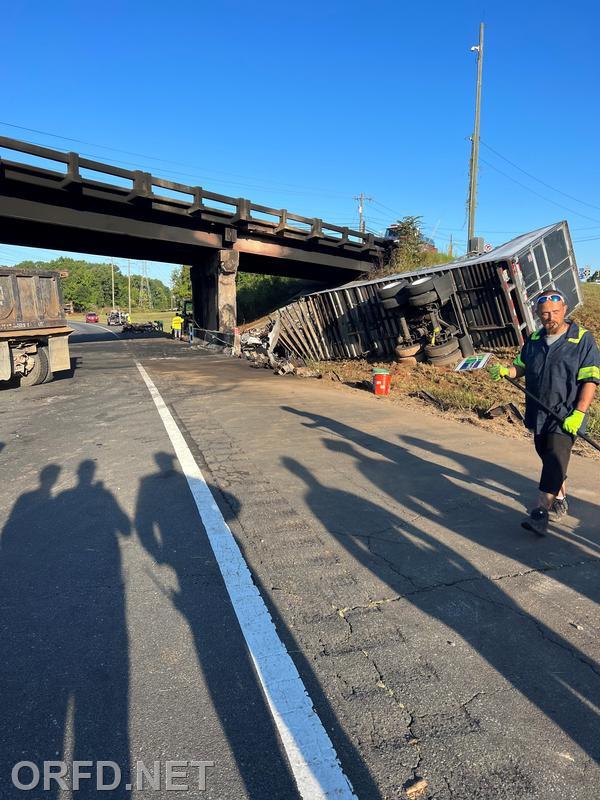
(441,350)
(446,361)
(49,375)
(390,304)
(38,373)
(410,361)
(425,299)
(392,289)
(420,286)
(403,351)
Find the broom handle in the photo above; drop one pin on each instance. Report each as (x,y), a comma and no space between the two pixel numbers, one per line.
(549,411)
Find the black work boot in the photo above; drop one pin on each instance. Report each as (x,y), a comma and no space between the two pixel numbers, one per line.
(537,522)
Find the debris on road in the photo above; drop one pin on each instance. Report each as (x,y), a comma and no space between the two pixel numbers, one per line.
(416,789)
(262,347)
(141,327)
(509,410)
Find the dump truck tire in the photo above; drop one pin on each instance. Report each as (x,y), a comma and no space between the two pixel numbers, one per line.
(49,375)
(37,374)
(441,350)
(425,299)
(420,286)
(392,289)
(406,352)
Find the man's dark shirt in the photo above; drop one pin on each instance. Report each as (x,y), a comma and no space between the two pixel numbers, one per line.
(554,373)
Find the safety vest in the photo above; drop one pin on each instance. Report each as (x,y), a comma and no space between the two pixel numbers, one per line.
(176,323)
(554,374)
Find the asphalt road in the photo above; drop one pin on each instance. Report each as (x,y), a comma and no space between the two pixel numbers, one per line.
(435,638)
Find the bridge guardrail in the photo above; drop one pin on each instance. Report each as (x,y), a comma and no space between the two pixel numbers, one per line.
(240,214)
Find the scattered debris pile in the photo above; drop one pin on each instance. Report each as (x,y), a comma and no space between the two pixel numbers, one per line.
(142,327)
(262,346)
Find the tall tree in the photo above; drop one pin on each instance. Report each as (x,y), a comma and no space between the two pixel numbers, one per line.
(181,284)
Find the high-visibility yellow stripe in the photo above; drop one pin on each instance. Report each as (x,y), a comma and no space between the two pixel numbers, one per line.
(579,337)
(589,374)
(518,362)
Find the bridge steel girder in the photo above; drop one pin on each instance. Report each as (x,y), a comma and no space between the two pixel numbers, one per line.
(91,207)
(34,223)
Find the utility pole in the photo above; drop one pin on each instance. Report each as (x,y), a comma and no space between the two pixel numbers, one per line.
(474,166)
(112,278)
(361,210)
(129,284)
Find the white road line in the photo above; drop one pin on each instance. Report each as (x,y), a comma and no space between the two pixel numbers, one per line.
(313,760)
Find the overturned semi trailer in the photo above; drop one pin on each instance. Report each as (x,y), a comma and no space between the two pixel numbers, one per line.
(489,301)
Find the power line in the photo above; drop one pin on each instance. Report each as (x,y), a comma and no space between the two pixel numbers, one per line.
(537,194)
(539,180)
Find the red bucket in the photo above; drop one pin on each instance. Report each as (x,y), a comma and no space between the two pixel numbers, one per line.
(381,382)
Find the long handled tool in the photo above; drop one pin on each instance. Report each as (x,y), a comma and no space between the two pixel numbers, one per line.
(549,411)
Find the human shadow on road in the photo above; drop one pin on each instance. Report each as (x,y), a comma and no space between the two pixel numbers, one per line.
(172,534)
(411,558)
(64,669)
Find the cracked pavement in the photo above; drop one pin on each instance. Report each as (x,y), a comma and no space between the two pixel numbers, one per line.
(436,638)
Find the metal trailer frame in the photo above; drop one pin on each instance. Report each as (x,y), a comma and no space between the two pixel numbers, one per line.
(493,300)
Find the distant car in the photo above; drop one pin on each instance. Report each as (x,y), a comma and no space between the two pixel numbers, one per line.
(91,316)
(116,318)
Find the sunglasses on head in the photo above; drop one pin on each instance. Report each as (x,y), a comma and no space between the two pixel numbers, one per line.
(555,298)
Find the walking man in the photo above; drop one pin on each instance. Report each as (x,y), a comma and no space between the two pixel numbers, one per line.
(176,324)
(561,366)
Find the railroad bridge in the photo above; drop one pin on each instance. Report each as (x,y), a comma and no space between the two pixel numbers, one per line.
(58,200)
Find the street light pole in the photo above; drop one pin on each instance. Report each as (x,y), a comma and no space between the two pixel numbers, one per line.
(474,167)
(112,278)
(129,284)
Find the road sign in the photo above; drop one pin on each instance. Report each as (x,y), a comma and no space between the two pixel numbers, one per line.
(473,362)
(487,247)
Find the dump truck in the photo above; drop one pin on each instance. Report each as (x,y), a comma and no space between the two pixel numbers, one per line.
(34,335)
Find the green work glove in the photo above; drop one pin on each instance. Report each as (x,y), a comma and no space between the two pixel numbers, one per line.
(497,372)
(573,422)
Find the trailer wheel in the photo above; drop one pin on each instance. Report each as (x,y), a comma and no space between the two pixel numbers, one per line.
(424,299)
(420,286)
(406,352)
(446,361)
(392,289)
(39,372)
(390,303)
(441,350)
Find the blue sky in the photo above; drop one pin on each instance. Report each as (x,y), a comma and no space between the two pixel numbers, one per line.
(306,105)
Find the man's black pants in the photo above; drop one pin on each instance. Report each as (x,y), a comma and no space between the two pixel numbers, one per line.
(555,451)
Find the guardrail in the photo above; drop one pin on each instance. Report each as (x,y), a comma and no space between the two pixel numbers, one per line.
(138,187)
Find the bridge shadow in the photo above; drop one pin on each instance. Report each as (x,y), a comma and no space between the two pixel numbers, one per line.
(64,677)
(455,503)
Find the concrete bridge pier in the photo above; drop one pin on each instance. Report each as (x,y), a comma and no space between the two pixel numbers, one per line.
(214,290)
